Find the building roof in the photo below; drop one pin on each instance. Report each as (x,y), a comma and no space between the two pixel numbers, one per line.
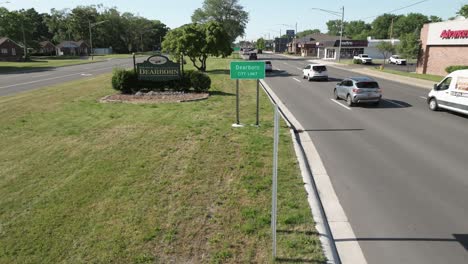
(5,39)
(318,37)
(71,44)
(44,43)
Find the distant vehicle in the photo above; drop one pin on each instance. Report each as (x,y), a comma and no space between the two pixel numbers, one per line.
(315,72)
(259,51)
(252,56)
(451,93)
(268,66)
(358,90)
(364,58)
(395,59)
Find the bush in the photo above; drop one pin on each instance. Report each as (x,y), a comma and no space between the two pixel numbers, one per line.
(200,81)
(124,80)
(453,68)
(357,61)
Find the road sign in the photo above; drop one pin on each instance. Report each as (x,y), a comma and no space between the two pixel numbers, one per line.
(247,70)
(236,48)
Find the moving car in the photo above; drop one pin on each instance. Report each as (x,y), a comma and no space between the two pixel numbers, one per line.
(451,93)
(315,72)
(268,66)
(252,56)
(358,90)
(395,59)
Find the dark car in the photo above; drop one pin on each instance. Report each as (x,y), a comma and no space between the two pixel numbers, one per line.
(259,51)
(253,56)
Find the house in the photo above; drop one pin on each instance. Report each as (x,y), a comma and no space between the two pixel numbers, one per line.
(72,48)
(47,48)
(10,50)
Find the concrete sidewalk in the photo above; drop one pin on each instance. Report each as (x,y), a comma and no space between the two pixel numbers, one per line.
(370,72)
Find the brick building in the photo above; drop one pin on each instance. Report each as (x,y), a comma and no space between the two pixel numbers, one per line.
(443,44)
(10,50)
(47,48)
(73,48)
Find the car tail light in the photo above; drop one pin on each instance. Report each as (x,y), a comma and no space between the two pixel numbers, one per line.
(356,90)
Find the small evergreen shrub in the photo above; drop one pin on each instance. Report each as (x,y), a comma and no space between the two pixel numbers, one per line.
(453,68)
(200,81)
(356,61)
(124,80)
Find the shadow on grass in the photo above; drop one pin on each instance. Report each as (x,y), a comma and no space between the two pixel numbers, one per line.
(296,260)
(309,233)
(218,71)
(220,93)
(16,70)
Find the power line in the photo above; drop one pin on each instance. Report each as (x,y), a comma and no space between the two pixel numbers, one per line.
(398,9)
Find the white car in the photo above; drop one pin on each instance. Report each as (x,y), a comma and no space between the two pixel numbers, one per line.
(268,66)
(395,59)
(451,93)
(315,72)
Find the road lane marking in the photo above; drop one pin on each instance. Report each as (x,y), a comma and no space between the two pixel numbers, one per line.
(336,102)
(425,98)
(278,69)
(296,80)
(298,68)
(397,104)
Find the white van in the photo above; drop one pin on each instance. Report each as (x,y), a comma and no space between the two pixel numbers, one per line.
(451,93)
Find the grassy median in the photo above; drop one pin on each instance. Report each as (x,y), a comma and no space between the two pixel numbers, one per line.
(82,181)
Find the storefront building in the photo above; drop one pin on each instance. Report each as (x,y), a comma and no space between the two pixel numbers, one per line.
(443,44)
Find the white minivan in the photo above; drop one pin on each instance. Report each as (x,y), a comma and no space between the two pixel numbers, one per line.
(451,93)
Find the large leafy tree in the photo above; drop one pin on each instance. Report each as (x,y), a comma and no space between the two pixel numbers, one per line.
(334,27)
(260,43)
(382,26)
(307,32)
(357,29)
(229,13)
(409,46)
(198,42)
(386,48)
(463,11)
(411,23)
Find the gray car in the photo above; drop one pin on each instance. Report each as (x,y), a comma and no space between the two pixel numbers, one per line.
(358,90)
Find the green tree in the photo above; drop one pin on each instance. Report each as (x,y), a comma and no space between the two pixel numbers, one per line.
(435,19)
(411,23)
(198,41)
(357,29)
(229,13)
(409,46)
(382,25)
(386,48)
(260,43)
(463,11)
(334,27)
(308,32)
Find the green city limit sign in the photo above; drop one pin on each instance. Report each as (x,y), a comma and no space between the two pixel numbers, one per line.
(247,70)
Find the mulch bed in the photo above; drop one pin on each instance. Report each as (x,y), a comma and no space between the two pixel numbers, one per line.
(154,98)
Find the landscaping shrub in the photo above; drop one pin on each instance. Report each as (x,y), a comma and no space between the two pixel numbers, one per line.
(124,80)
(453,68)
(356,61)
(200,81)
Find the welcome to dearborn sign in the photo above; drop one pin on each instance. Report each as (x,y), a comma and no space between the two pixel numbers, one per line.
(158,68)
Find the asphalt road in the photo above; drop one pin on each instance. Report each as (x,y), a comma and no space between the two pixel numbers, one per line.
(400,171)
(11,83)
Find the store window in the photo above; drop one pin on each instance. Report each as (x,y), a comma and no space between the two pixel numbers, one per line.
(330,54)
(13,51)
(4,51)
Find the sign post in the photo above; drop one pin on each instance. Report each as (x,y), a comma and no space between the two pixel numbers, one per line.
(246,70)
(275,180)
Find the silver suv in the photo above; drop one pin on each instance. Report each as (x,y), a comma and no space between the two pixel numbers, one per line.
(358,90)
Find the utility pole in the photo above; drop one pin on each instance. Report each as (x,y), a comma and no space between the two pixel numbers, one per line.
(391,30)
(91,35)
(341,33)
(24,40)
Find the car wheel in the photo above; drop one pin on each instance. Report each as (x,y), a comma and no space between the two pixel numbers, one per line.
(433,104)
(335,95)
(376,103)
(349,101)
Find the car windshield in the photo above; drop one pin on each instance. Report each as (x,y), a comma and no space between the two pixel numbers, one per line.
(319,68)
(396,56)
(267,62)
(367,85)
(364,55)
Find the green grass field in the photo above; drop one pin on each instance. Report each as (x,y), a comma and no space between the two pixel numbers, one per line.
(84,182)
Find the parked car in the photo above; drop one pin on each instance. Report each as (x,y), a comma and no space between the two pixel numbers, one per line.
(268,66)
(363,58)
(315,72)
(252,56)
(451,93)
(259,51)
(358,90)
(395,59)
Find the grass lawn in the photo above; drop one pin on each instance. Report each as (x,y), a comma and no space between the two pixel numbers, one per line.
(82,181)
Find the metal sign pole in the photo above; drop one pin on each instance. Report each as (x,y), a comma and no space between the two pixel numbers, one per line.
(237,103)
(275,180)
(134,63)
(258,100)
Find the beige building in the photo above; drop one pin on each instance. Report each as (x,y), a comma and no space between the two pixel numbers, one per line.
(443,44)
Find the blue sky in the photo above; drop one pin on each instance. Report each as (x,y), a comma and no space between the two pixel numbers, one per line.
(266,16)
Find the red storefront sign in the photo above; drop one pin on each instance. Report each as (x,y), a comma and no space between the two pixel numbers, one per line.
(456,34)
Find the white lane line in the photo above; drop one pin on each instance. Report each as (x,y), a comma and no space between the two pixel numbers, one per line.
(278,69)
(298,68)
(297,80)
(423,97)
(397,104)
(53,78)
(336,102)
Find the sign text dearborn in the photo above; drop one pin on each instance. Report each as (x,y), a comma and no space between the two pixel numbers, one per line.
(158,68)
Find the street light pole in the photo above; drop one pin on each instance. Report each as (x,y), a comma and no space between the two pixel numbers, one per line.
(341,33)
(91,35)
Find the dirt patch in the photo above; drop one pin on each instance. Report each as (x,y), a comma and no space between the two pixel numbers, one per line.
(154,98)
